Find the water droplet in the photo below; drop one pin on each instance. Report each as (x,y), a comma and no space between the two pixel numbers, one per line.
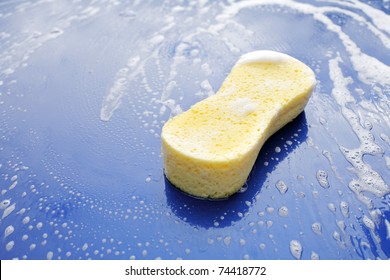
(49,255)
(317,228)
(8,231)
(281,186)
(8,211)
(387,223)
(336,236)
(85,247)
(332,207)
(26,220)
(283,211)
(13,185)
(314,256)
(9,245)
(341,225)
(368,222)
(344,207)
(270,210)
(5,203)
(296,249)
(322,178)
(227,240)
(301,194)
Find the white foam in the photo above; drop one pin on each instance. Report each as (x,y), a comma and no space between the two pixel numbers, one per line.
(156,40)
(116,92)
(243,106)
(207,88)
(173,107)
(368,179)
(263,56)
(378,17)
(370,69)
(206,69)
(4,35)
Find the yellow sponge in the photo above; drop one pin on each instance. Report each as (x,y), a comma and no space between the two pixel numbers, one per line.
(209,150)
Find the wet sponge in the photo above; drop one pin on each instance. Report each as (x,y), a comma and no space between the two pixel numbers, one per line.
(209,150)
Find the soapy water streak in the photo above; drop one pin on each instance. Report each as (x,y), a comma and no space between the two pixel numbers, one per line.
(369,180)
(370,70)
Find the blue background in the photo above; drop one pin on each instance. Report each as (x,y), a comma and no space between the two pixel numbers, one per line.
(89,180)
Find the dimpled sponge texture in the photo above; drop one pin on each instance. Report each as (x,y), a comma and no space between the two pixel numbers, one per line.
(209,150)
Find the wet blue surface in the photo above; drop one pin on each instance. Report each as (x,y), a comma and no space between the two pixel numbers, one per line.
(85,87)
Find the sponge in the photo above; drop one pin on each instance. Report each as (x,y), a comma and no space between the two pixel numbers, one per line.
(209,150)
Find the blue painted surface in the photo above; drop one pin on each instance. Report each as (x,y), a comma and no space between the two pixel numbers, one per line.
(90,185)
